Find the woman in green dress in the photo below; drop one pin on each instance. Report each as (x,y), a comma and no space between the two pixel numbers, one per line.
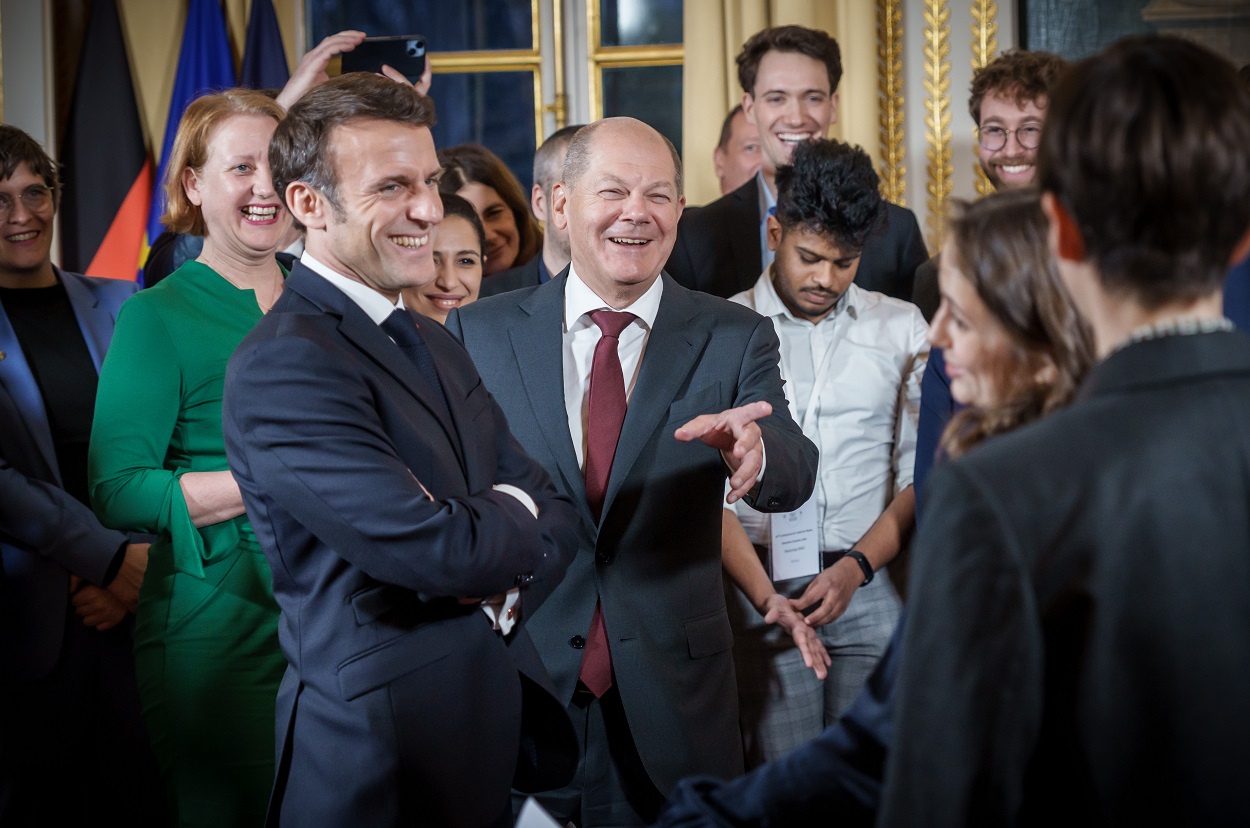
(206,642)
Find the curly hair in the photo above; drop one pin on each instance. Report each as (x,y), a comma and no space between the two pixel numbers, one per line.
(1024,76)
(999,245)
(473,163)
(813,43)
(831,189)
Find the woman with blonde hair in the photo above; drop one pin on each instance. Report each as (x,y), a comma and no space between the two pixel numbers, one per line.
(206,642)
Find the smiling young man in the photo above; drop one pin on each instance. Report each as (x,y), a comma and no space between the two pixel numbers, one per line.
(407,531)
(640,397)
(789,77)
(852,361)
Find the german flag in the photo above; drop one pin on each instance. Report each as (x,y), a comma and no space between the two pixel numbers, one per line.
(107,171)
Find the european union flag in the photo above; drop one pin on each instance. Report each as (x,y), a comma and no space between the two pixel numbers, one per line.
(204,65)
(264,58)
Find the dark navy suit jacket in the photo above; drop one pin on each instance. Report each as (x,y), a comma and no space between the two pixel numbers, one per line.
(45,534)
(373,502)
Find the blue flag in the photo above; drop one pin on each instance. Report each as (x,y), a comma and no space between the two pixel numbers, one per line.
(204,65)
(264,59)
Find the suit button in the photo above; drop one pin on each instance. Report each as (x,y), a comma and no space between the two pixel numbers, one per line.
(523,579)
(774,502)
(603,558)
(577,642)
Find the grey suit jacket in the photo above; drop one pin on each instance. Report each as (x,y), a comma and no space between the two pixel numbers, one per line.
(718,247)
(525,275)
(45,534)
(1079,620)
(653,559)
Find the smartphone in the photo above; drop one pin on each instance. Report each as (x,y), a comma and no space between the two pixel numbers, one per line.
(404,53)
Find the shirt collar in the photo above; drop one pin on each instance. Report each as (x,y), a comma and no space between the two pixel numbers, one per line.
(768,302)
(580,300)
(374,304)
(767,200)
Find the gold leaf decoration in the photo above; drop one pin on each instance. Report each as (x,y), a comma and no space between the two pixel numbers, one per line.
(984,47)
(890,93)
(937,85)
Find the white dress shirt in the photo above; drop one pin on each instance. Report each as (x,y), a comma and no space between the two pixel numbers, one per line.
(867,403)
(581,335)
(501,610)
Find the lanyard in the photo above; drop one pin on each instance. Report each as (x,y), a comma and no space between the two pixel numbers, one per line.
(820,374)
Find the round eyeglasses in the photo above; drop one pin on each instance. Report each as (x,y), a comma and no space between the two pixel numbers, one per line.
(994,138)
(37,199)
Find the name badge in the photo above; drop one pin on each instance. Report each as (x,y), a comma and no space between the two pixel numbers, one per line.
(794,546)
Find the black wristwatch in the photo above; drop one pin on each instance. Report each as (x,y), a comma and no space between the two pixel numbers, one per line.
(859,558)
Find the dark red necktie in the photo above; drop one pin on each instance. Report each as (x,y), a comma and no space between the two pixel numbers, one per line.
(603,429)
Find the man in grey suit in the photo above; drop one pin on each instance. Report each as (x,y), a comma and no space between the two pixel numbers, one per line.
(1075,651)
(637,637)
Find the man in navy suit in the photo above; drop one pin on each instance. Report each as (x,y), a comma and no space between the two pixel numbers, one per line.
(637,637)
(68,702)
(789,77)
(407,531)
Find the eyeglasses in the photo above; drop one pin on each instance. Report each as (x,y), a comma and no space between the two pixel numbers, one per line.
(37,199)
(994,138)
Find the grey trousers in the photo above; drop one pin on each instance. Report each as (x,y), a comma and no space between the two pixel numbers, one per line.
(781,702)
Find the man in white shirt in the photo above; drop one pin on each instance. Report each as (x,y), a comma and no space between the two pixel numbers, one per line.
(640,397)
(390,499)
(852,361)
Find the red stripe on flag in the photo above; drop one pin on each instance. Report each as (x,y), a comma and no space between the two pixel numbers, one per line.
(119,256)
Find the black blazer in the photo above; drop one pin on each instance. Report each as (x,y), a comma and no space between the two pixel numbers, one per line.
(525,275)
(406,700)
(1079,617)
(718,247)
(653,559)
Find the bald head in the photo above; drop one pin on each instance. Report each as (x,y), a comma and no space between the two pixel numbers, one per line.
(578,157)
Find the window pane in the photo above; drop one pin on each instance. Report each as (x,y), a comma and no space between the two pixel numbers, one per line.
(462,26)
(494,109)
(639,22)
(648,93)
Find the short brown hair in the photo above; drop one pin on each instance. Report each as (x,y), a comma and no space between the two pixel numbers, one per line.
(1145,147)
(474,163)
(190,150)
(1001,249)
(16,147)
(301,148)
(546,171)
(813,43)
(1021,75)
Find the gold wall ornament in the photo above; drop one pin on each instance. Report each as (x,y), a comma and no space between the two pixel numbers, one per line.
(984,47)
(937,85)
(890,93)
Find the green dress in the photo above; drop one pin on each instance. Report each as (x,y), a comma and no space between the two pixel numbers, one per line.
(206,638)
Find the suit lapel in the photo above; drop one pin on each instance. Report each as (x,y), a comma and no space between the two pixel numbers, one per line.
(95,322)
(538,347)
(673,348)
(16,376)
(358,329)
(744,236)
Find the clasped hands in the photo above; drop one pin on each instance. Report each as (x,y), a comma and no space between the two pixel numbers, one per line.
(104,607)
(738,438)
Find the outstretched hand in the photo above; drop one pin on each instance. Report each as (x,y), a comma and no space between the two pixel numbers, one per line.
(782,613)
(735,434)
(312,67)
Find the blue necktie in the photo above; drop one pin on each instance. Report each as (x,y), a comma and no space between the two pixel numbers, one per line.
(402,327)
